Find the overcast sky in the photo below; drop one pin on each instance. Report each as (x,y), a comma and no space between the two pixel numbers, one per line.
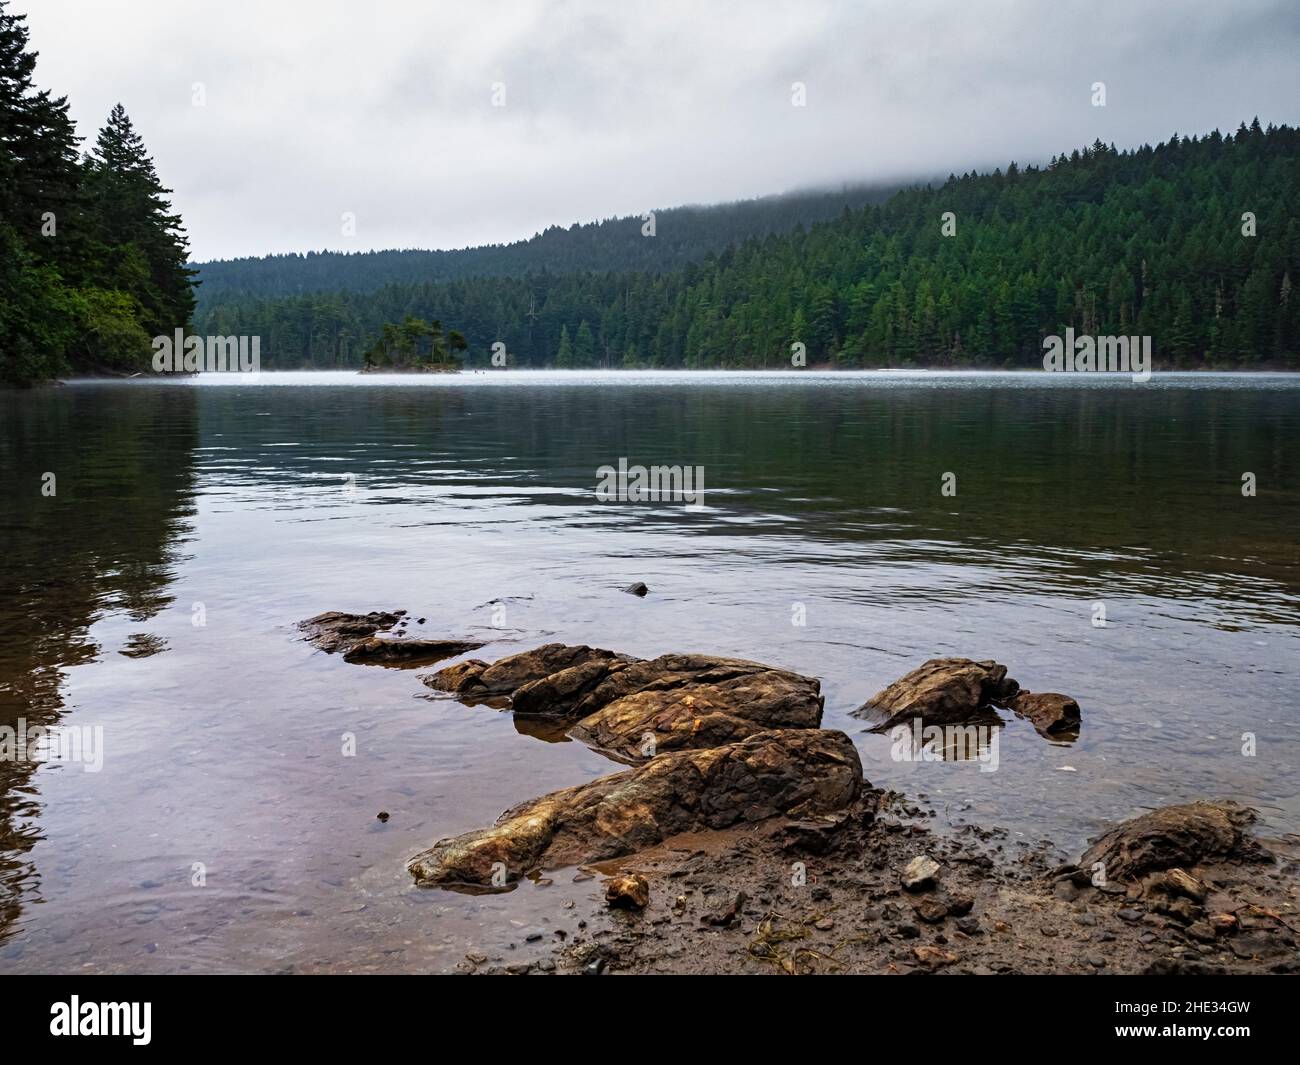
(384,108)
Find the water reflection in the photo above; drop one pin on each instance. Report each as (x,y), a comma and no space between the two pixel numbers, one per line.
(96,496)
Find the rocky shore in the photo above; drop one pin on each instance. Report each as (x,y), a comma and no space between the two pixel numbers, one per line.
(743,837)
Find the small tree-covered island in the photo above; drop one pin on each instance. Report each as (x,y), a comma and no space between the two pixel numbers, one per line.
(415,346)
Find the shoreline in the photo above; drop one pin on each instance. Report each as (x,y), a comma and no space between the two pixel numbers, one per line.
(729,903)
(821,372)
(739,833)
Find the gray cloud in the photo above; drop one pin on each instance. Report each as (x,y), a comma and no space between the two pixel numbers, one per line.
(317,107)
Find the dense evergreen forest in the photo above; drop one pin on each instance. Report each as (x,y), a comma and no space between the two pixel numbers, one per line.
(1194,242)
(92,261)
(681,235)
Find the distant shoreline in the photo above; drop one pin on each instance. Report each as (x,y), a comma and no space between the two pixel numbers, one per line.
(818,371)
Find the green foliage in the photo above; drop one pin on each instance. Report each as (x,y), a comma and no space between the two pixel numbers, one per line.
(37,314)
(413,344)
(1141,242)
(110,333)
(93,262)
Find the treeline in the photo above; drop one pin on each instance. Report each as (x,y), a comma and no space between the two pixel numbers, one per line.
(1194,242)
(680,235)
(92,261)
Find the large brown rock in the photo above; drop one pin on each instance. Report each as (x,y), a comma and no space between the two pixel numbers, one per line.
(475,681)
(685,701)
(796,772)
(943,691)
(634,708)
(1052,714)
(1172,837)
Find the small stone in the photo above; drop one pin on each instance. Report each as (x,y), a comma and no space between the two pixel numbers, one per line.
(629,892)
(825,924)
(970,926)
(1223,923)
(636,588)
(930,910)
(1065,890)
(934,956)
(907,930)
(382,815)
(1183,910)
(1183,883)
(960,905)
(920,873)
(726,912)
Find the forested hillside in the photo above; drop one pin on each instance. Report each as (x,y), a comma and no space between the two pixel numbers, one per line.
(92,261)
(681,235)
(1194,242)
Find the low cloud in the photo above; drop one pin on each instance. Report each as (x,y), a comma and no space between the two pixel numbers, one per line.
(385,109)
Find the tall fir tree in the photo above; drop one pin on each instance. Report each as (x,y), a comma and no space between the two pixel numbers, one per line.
(143,243)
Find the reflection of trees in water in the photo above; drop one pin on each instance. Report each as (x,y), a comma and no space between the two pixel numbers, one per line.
(1080,490)
(106,541)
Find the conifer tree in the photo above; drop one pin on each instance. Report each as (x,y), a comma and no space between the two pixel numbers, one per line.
(143,241)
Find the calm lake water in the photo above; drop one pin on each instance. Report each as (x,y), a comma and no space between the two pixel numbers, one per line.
(228,831)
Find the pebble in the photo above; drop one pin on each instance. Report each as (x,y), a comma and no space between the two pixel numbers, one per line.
(920,873)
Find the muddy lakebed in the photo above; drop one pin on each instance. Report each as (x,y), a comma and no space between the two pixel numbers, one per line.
(233,825)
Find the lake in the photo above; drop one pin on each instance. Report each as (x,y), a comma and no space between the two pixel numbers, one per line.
(150,592)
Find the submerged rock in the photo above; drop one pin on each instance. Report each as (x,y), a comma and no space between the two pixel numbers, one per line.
(637,588)
(385,651)
(474,680)
(943,691)
(1051,713)
(335,631)
(796,772)
(1172,837)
